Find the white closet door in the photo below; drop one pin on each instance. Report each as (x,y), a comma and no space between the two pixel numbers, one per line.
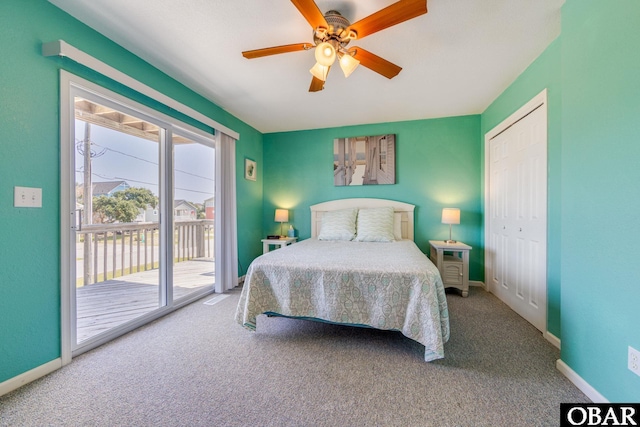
(518,217)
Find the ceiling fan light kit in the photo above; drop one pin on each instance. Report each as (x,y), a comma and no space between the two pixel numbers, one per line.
(325,54)
(332,32)
(320,71)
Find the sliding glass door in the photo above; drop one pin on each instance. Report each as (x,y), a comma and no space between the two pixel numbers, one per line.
(117,239)
(143,208)
(193,215)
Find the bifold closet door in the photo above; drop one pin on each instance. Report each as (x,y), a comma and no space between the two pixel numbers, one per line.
(518,212)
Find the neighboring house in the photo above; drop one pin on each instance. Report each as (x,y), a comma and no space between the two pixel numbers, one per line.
(148,214)
(108,188)
(184,211)
(151,214)
(209,208)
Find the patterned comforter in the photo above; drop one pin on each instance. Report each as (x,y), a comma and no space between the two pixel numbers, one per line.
(391,286)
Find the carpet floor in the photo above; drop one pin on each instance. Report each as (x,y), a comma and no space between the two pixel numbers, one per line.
(196,367)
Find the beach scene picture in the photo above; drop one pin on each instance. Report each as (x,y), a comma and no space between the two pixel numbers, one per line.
(364,160)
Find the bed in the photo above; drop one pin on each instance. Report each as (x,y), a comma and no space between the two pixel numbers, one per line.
(362,271)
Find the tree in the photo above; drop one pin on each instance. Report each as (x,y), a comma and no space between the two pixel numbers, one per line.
(140,196)
(123,206)
(111,209)
(201,213)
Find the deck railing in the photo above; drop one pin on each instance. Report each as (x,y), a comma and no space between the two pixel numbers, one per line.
(114,250)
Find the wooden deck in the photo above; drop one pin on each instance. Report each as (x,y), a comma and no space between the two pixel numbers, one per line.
(104,305)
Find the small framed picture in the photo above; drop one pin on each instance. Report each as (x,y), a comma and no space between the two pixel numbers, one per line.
(250,172)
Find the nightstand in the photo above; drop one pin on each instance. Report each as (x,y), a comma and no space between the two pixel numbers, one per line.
(452,260)
(278,243)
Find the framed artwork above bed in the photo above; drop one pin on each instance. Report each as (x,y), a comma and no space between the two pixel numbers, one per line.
(364,160)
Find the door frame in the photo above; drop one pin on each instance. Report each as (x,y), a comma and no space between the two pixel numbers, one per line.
(68,82)
(538,101)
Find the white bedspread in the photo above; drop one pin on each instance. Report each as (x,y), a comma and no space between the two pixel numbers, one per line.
(391,286)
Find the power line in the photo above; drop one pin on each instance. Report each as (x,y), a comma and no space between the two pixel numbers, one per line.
(149,161)
(117,178)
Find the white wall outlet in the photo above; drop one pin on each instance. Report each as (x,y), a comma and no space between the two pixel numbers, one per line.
(27,197)
(634,360)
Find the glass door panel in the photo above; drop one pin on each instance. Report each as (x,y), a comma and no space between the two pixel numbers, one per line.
(193,216)
(117,232)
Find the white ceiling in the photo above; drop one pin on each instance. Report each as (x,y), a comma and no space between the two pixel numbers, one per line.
(456,59)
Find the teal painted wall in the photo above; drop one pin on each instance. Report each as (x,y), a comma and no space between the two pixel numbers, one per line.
(30,156)
(600,193)
(437,165)
(544,72)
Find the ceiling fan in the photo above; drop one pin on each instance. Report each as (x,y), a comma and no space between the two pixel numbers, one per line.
(332,32)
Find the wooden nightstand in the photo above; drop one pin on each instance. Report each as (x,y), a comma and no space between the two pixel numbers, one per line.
(279,243)
(452,260)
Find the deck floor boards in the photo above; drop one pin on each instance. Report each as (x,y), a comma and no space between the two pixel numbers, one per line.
(104,305)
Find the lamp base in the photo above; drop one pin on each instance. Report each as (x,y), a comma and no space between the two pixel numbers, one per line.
(451,241)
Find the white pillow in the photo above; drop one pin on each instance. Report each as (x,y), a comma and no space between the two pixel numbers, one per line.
(338,225)
(375,225)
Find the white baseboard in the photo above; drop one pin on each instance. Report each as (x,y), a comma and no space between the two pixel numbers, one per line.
(32,375)
(241,279)
(552,339)
(582,385)
(477,283)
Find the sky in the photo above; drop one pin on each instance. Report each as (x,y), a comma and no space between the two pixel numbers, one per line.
(122,157)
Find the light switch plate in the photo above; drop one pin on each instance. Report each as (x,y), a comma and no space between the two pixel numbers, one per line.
(634,360)
(27,197)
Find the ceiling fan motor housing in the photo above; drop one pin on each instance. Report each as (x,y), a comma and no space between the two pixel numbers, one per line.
(336,31)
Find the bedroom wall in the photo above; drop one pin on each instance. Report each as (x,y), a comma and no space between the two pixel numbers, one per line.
(437,165)
(600,196)
(544,72)
(29,156)
(591,73)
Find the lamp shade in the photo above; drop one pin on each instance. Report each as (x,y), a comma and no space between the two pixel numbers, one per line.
(282,215)
(348,64)
(319,71)
(325,54)
(451,216)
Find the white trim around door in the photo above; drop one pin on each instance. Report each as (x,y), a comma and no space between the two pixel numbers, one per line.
(515,183)
(71,86)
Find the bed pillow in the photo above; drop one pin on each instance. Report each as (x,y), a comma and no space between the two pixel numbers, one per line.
(338,225)
(375,225)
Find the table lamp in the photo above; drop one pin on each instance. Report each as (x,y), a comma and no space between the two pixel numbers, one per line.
(450,216)
(282,215)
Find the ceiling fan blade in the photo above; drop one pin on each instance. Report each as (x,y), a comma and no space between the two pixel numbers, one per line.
(401,11)
(309,9)
(375,63)
(250,54)
(316,84)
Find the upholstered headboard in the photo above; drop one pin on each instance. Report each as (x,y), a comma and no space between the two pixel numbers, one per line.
(403,212)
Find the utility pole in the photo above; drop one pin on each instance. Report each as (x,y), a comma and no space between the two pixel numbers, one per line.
(87,195)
